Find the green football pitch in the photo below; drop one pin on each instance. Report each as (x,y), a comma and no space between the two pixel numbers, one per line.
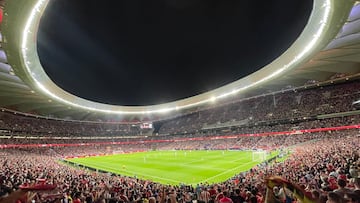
(175,167)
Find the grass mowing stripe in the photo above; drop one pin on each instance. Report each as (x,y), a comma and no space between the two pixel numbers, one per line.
(115,170)
(227,171)
(170,166)
(252,163)
(203,167)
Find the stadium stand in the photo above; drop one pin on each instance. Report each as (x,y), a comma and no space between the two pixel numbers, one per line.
(317,122)
(317,168)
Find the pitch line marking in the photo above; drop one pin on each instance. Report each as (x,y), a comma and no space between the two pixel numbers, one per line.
(142,173)
(200,160)
(226,171)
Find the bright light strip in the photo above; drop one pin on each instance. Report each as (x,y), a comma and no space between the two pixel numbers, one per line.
(27,30)
(28,35)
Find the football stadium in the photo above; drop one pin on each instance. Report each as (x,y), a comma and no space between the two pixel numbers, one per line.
(287,132)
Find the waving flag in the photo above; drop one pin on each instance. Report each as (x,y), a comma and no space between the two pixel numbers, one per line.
(300,194)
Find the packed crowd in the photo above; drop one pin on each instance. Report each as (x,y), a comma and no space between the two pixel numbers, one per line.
(18,124)
(323,164)
(234,131)
(199,143)
(280,106)
(304,104)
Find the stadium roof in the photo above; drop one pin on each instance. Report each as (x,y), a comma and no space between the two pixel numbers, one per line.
(328,46)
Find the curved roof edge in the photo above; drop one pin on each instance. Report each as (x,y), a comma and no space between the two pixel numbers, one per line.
(20,31)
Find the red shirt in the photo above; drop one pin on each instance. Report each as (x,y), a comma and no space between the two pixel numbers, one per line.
(77,200)
(225,200)
(212,192)
(220,196)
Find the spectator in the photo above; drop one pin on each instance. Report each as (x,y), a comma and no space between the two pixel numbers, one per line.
(333,197)
(226,198)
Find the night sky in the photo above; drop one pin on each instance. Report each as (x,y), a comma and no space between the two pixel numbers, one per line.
(143,52)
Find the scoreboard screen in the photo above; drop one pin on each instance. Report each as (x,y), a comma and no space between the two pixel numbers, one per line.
(146,125)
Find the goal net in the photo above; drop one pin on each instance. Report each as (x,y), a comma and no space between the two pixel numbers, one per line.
(118,152)
(259,155)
